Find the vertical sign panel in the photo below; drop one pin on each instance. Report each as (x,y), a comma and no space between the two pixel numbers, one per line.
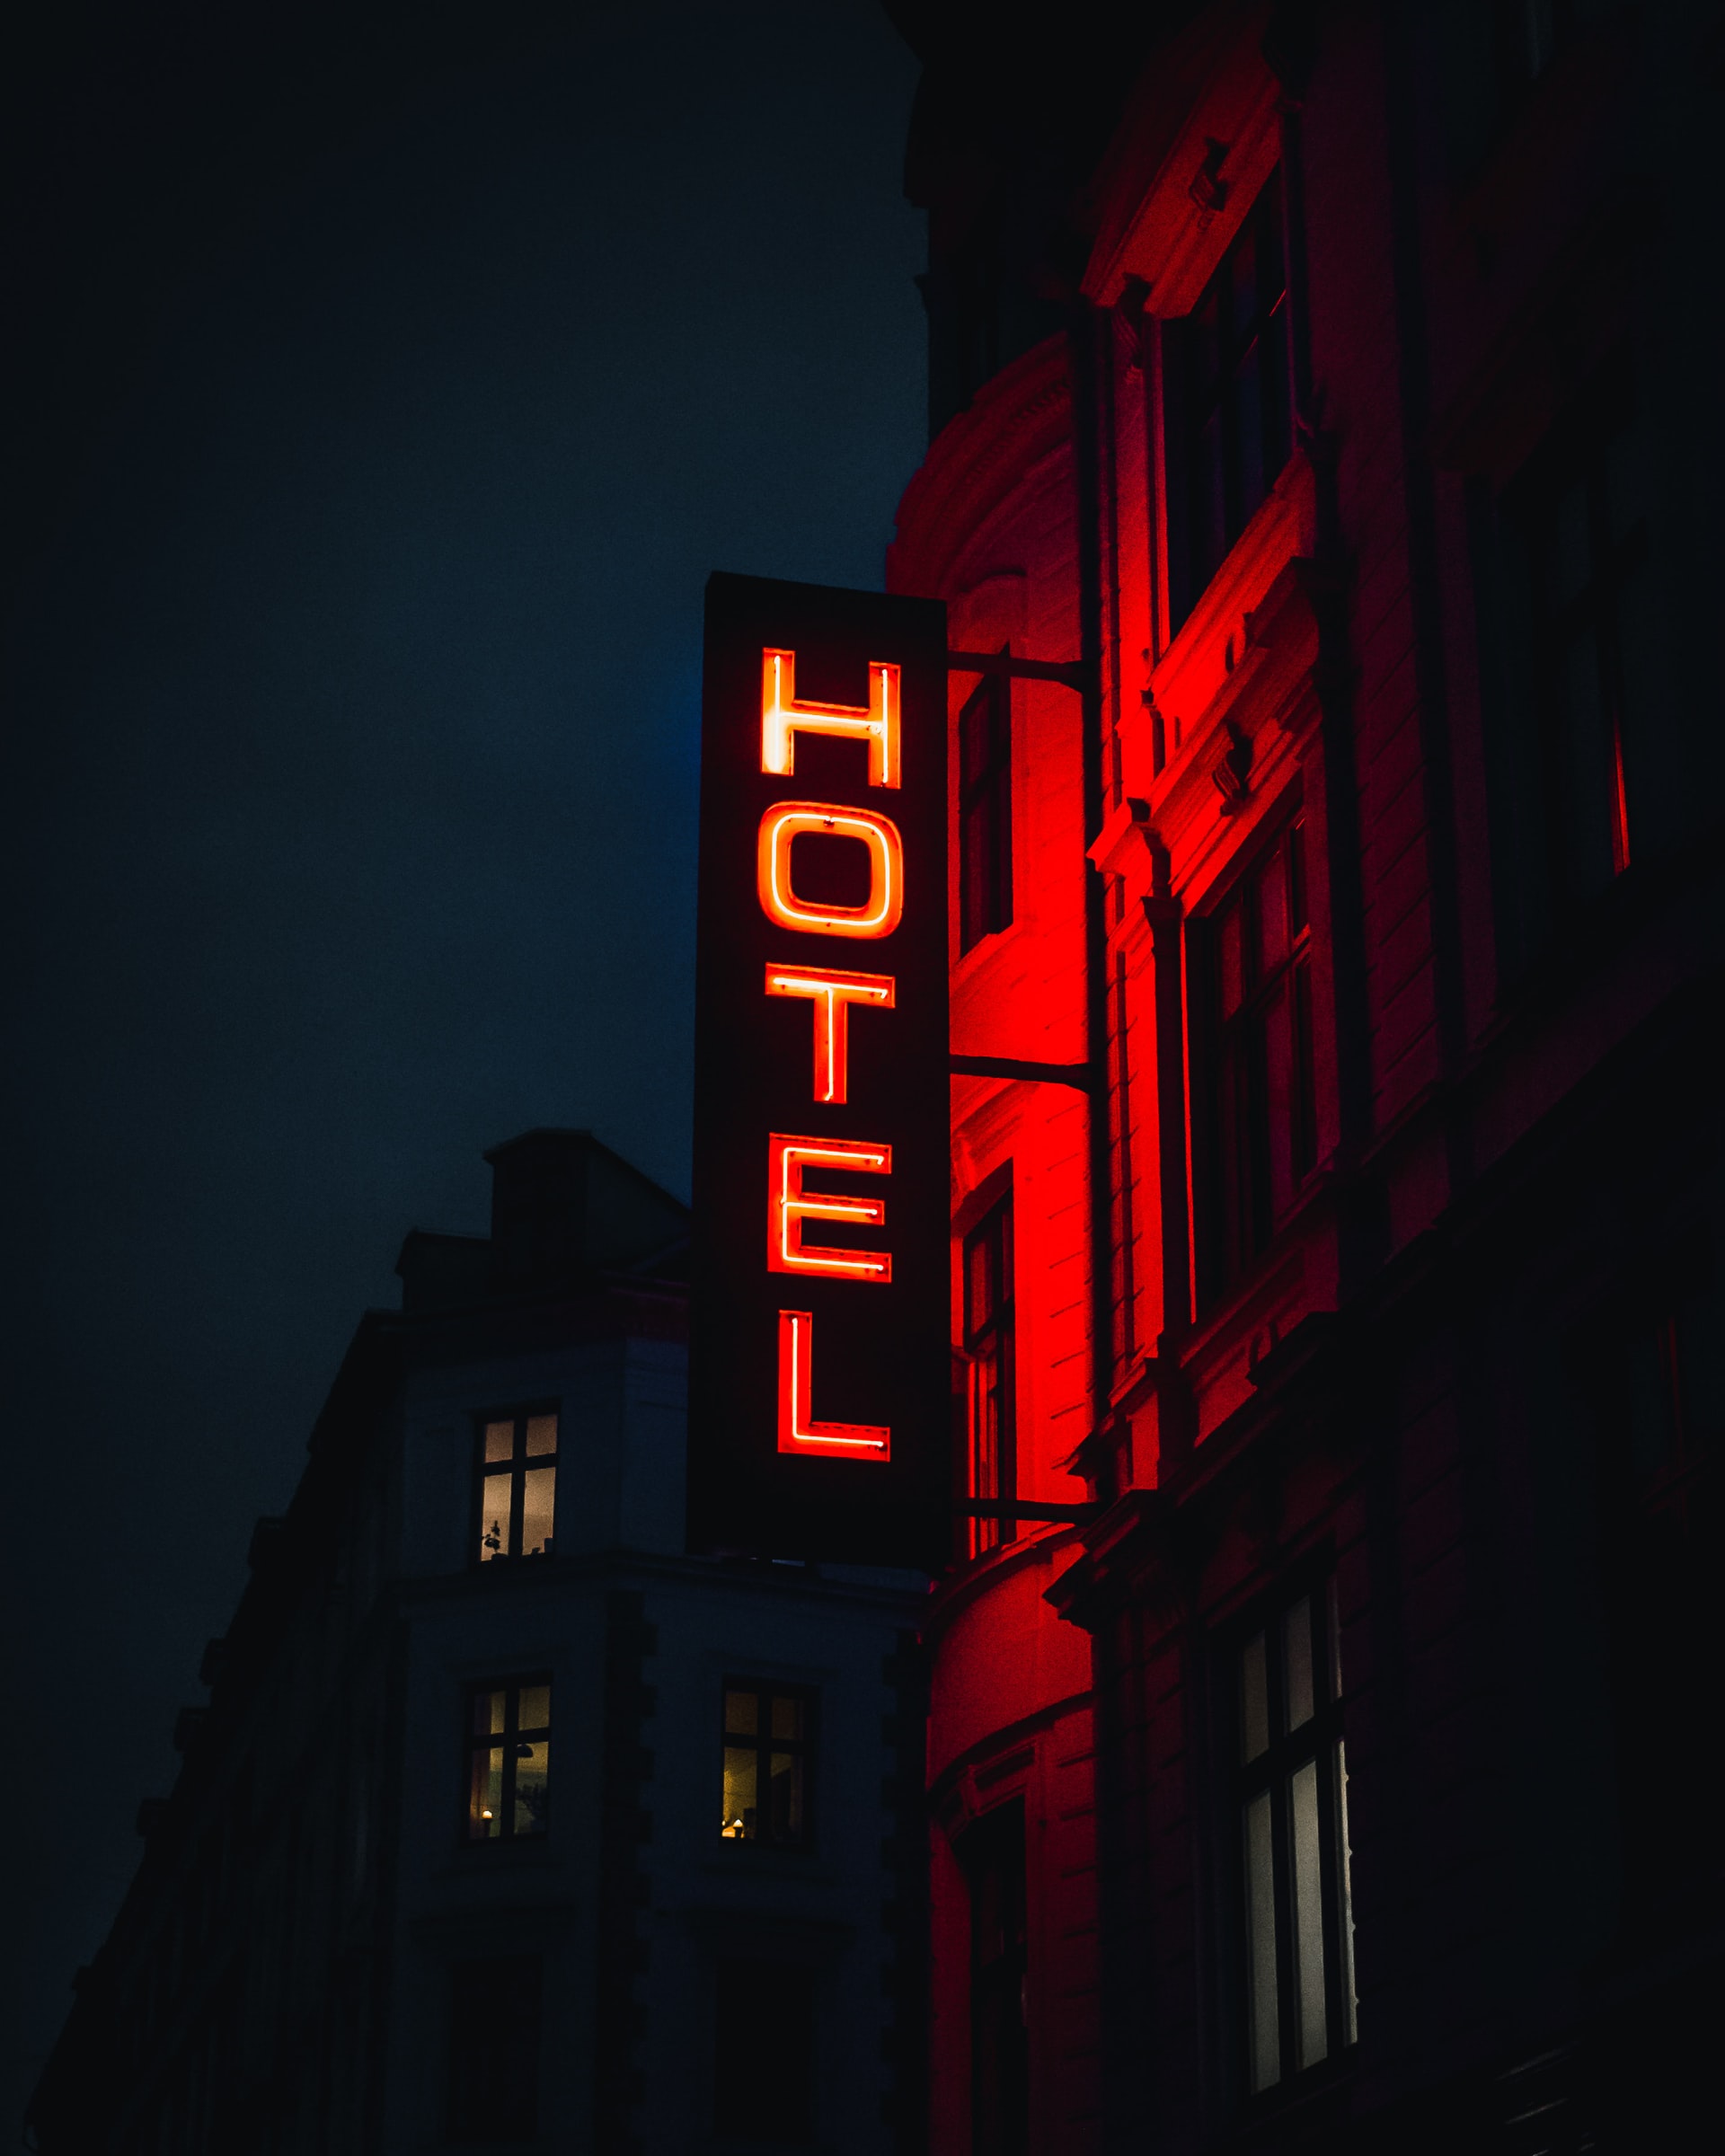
(819,1412)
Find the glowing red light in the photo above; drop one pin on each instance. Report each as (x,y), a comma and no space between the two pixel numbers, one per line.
(832,995)
(789,820)
(798,1432)
(783,717)
(788,1207)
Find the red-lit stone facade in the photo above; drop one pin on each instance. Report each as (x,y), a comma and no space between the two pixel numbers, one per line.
(1336,1333)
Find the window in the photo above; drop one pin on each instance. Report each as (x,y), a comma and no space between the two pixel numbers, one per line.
(992,1467)
(993,1854)
(494,2049)
(1254,1115)
(1291,1809)
(517,1485)
(768,1745)
(764,2051)
(985,812)
(509,1760)
(1579,532)
(1226,404)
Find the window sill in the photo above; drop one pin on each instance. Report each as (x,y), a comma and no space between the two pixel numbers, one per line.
(976,961)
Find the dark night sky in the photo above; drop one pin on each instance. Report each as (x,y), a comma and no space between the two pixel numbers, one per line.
(390,379)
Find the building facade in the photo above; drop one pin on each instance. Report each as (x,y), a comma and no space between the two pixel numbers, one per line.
(1320,454)
(506,1824)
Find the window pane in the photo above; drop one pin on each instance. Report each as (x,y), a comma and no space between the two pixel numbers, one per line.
(499,1440)
(494,1516)
(1265,2047)
(787,1717)
(488,1713)
(1254,1703)
(1308,1916)
(1298,1625)
(784,1797)
(532,1787)
(742,1713)
(539,1486)
(1346,1871)
(486,1795)
(1297,875)
(1272,911)
(1231,961)
(1333,1629)
(1282,1104)
(541,1434)
(739,1813)
(534,1710)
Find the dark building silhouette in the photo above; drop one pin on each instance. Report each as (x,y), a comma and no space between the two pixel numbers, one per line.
(1318,1747)
(506,1822)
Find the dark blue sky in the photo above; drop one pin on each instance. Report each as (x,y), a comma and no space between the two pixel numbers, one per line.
(351,694)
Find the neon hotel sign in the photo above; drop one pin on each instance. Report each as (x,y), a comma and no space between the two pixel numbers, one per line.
(818,1416)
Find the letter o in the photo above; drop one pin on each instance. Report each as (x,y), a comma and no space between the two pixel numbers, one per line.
(886,901)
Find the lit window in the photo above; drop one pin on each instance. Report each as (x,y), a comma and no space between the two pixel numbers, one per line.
(992,1468)
(517,1485)
(1226,404)
(768,1744)
(1291,1816)
(508,1770)
(764,2051)
(1252,1107)
(985,812)
(494,2049)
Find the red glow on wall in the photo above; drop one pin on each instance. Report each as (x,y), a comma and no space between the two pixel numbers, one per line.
(789,820)
(788,1207)
(832,995)
(798,1432)
(783,718)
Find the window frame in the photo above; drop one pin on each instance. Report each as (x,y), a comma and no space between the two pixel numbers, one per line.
(986,797)
(514,1734)
(1186,416)
(513,1471)
(803,1749)
(991,1344)
(1318,1740)
(1237,1216)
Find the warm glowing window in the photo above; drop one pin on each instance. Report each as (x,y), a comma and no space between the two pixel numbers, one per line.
(993,1856)
(767,1754)
(1253,1107)
(509,1759)
(991,1469)
(765,2031)
(985,812)
(1226,404)
(494,2048)
(517,1484)
(1290,1826)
